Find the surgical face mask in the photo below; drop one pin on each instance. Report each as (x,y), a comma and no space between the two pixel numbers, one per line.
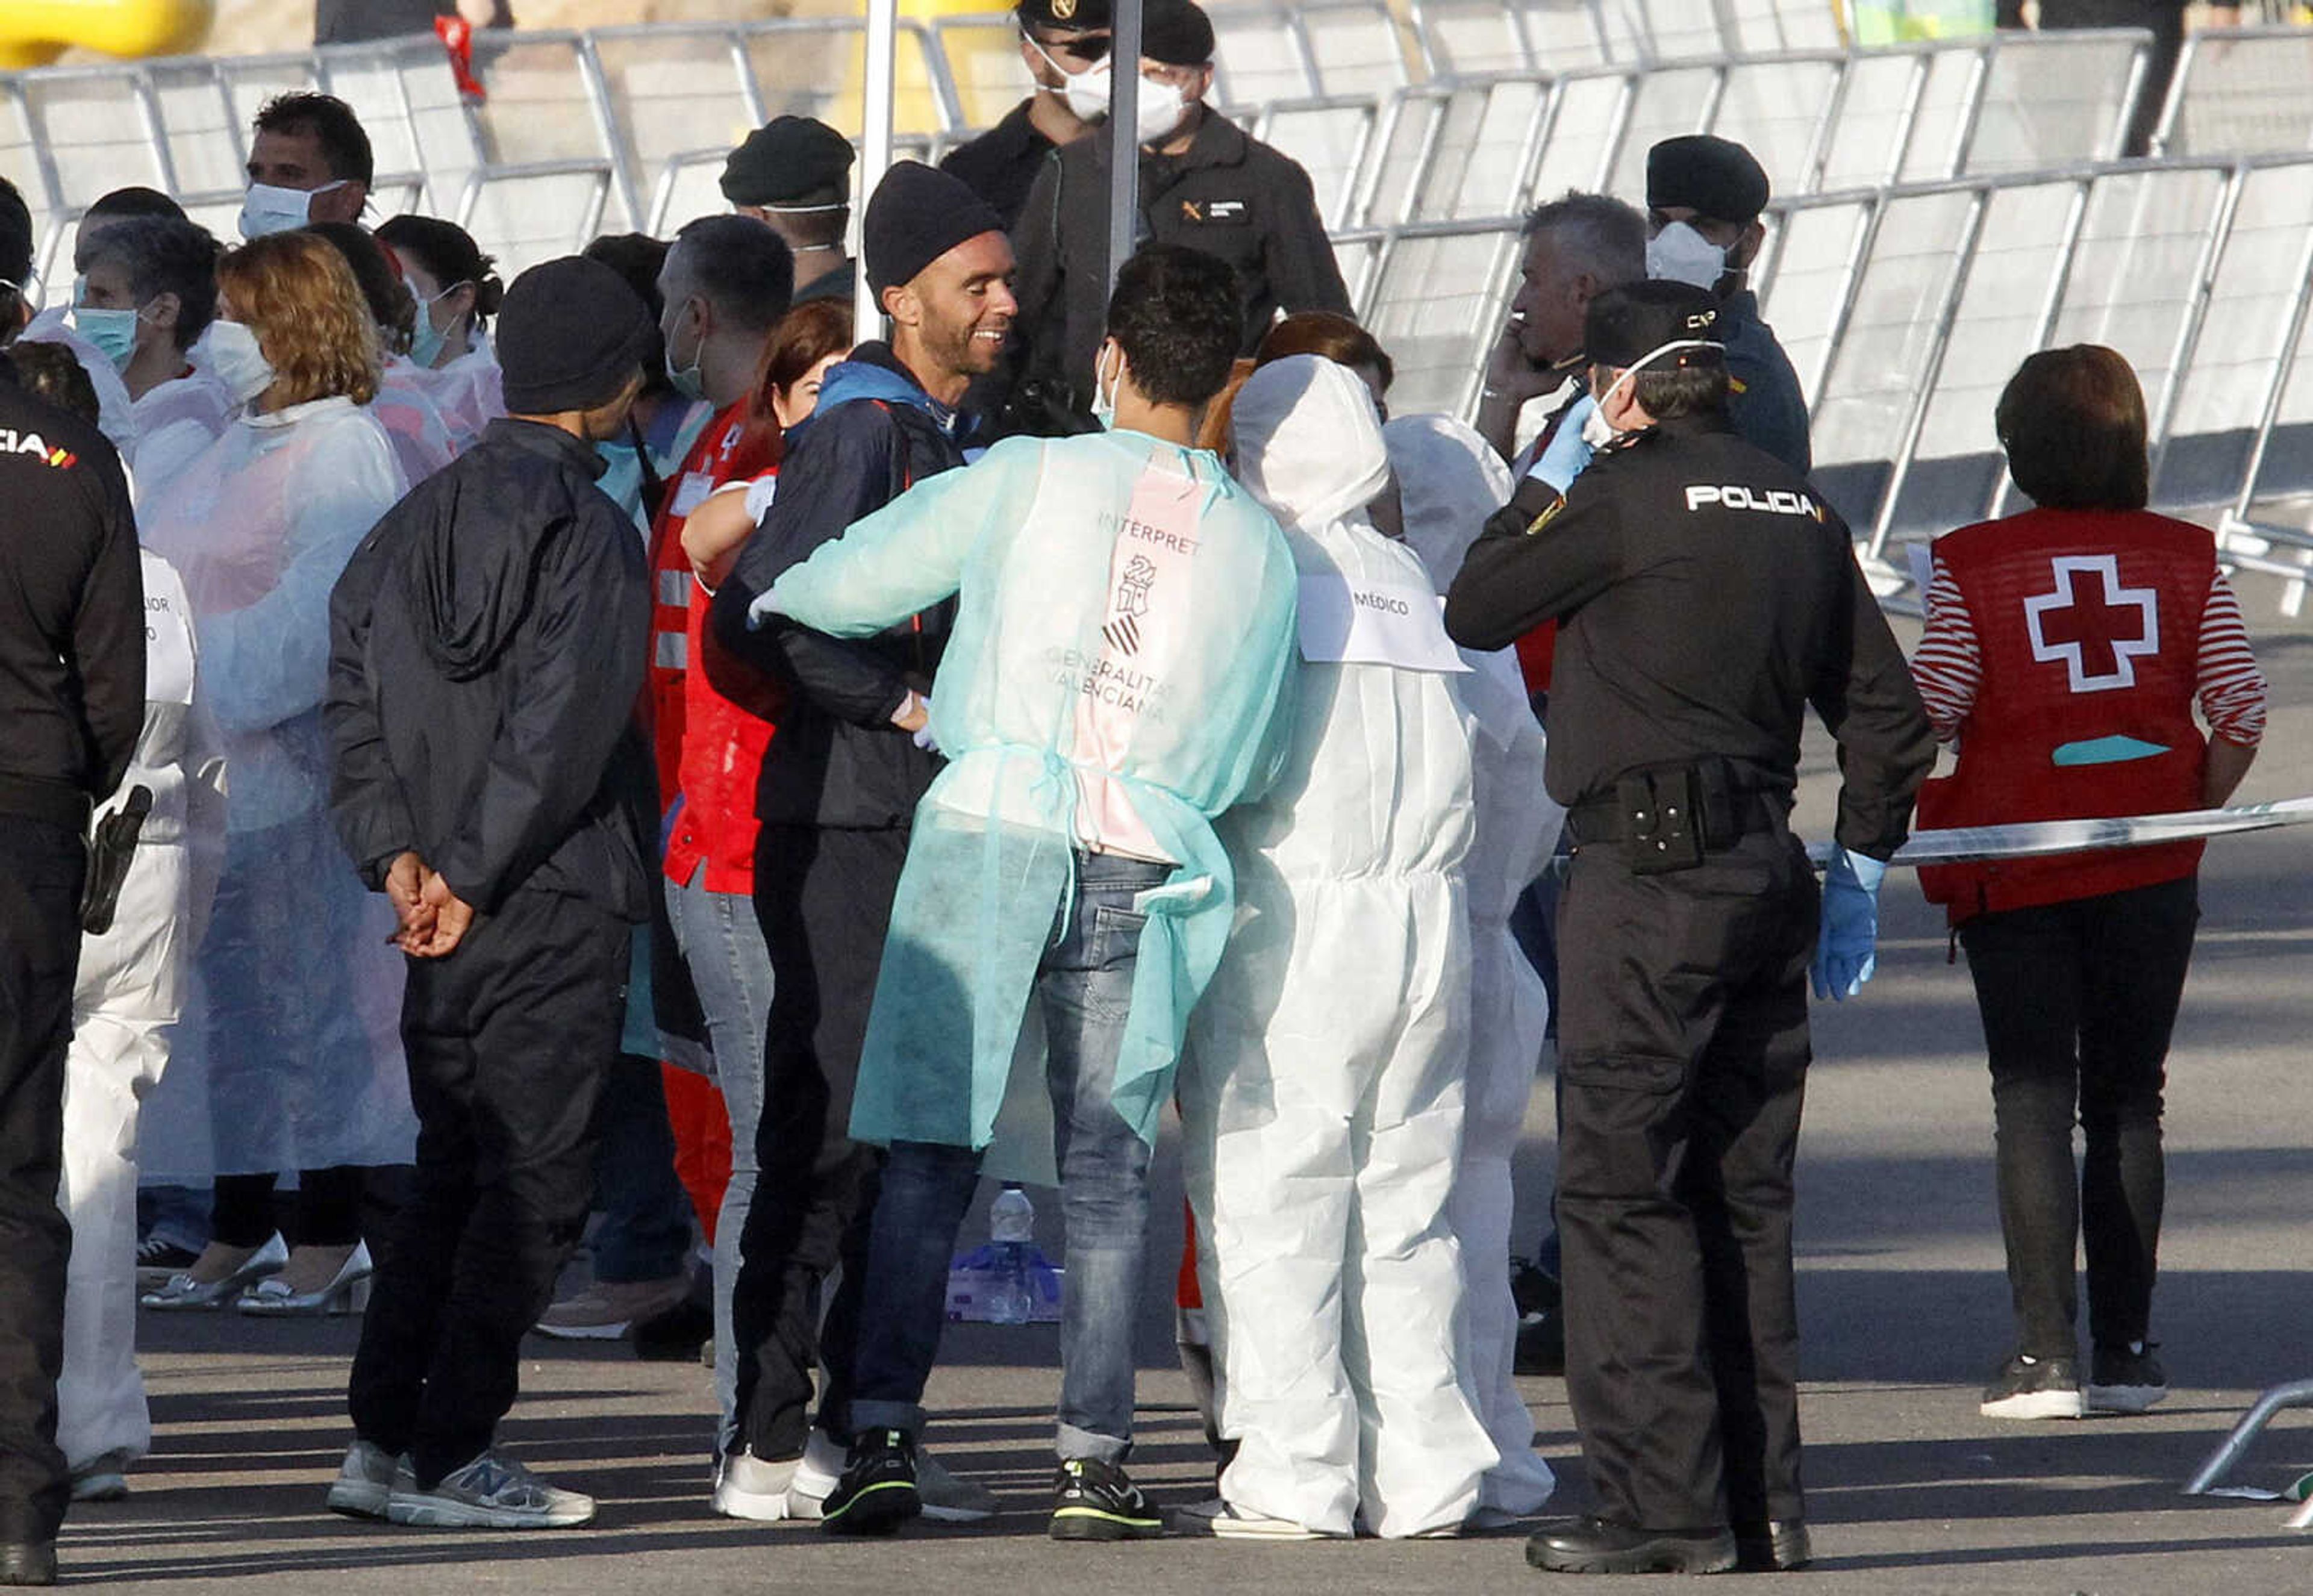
(426,339)
(1161,107)
(113,333)
(1086,91)
(1596,431)
(1680,254)
(269,210)
(237,361)
(689,381)
(1103,392)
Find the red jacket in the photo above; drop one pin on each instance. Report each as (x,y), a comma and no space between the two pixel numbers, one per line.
(2089,624)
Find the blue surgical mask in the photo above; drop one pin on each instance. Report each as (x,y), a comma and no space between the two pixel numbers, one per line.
(112,333)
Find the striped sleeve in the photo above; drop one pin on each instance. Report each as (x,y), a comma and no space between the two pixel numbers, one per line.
(2230,686)
(1949,666)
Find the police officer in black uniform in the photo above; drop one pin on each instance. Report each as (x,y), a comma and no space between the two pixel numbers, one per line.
(1705,596)
(1065,46)
(72,701)
(1204,183)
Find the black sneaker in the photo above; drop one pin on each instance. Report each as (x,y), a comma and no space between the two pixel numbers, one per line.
(1094,1501)
(2035,1387)
(2126,1379)
(876,1492)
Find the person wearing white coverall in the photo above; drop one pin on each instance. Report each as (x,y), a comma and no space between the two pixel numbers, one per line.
(1449,481)
(1322,1092)
(126,1002)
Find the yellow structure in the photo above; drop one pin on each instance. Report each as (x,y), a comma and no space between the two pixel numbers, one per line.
(35,32)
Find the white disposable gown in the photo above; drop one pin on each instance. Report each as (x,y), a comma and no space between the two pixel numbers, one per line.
(1322,1097)
(126,1003)
(288,1057)
(177,421)
(1123,637)
(405,407)
(470,392)
(1449,481)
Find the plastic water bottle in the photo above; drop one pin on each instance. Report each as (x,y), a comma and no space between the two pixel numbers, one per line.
(1012,1234)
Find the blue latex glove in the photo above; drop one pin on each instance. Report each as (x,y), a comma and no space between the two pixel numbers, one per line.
(1845,949)
(1569,450)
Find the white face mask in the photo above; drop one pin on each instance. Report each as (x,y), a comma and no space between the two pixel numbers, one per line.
(237,361)
(1086,91)
(1680,254)
(1161,109)
(1596,430)
(1103,390)
(269,210)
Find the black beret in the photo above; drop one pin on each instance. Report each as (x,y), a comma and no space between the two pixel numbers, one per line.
(785,160)
(571,335)
(15,234)
(1715,178)
(1066,15)
(916,214)
(1624,325)
(1177,32)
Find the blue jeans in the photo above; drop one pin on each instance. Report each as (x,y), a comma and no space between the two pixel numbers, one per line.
(1084,984)
(723,945)
(645,1229)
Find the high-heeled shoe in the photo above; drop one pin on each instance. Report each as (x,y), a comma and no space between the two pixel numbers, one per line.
(183,1291)
(347,1291)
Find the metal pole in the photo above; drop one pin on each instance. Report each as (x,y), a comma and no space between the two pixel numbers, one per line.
(882,52)
(1123,139)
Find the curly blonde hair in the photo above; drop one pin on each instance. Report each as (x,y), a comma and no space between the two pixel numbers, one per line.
(298,296)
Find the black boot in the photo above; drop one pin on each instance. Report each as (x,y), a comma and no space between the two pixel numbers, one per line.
(1593,1545)
(1775,1548)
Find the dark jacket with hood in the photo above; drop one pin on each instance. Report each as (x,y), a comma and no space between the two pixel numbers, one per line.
(486,669)
(837,759)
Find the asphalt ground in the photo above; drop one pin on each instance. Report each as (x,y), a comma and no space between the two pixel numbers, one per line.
(1903,1301)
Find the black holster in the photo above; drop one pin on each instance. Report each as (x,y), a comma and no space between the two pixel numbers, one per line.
(109,852)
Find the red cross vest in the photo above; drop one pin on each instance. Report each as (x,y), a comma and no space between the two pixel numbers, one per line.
(2088,627)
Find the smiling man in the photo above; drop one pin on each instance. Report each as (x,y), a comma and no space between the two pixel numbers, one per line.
(837,790)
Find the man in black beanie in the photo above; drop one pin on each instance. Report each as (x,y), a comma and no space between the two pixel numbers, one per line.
(1704,198)
(838,789)
(1204,183)
(494,780)
(793,174)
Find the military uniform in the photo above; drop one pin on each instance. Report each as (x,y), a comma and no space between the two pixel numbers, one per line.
(1705,597)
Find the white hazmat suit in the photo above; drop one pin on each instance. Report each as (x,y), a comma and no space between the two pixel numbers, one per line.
(131,986)
(1322,1094)
(1449,481)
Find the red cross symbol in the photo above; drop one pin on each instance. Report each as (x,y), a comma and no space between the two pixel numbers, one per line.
(2092,624)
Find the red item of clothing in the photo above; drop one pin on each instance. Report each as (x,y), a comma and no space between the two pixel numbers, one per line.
(702,1141)
(723,738)
(2051,637)
(723,452)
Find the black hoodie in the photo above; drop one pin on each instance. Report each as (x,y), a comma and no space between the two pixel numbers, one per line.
(487,646)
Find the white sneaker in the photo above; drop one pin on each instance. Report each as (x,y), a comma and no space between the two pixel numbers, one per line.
(493,1492)
(815,1476)
(365,1481)
(1217,1517)
(747,1487)
(948,1500)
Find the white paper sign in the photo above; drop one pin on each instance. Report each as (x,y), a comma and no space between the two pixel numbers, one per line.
(1375,622)
(692,491)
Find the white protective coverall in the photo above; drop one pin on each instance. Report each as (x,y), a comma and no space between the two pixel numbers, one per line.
(178,420)
(289,1056)
(131,986)
(1449,481)
(1322,1094)
(406,406)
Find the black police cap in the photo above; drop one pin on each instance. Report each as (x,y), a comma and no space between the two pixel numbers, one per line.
(785,160)
(1716,178)
(1065,16)
(1624,325)
(1177,34)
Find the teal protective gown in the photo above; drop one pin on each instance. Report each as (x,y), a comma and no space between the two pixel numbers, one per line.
(1118,676)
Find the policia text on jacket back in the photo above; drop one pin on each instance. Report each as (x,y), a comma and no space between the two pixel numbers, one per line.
(1705,597)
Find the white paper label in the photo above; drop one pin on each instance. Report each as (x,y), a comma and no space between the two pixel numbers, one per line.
(1369,622)
(692,491)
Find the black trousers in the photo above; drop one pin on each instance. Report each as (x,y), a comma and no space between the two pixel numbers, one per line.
(1683,1055)
(823,898)
(508,1040)
(2078,1000)
(40,870)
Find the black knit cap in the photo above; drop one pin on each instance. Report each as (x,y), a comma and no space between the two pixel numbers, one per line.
(15,234)
(788,159)
(1066,16)
(1177,32)
(916,214)
(571,335)
(1626,324)
(1715,178)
